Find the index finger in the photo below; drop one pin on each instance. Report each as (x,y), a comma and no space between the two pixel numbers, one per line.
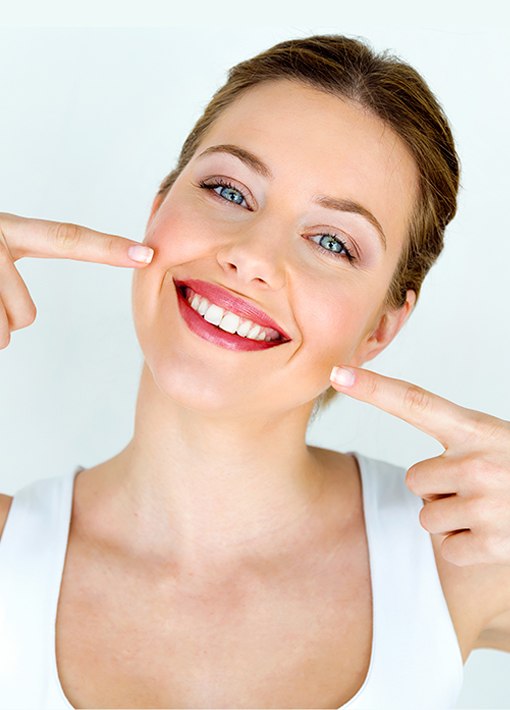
(447,422)
(26,236)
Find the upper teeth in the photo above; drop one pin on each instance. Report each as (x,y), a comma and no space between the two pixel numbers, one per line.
(228,321)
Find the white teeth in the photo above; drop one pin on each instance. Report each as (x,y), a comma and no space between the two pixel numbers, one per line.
(214,314)
(244,328)
(203,306)
(229,322)
(254,332)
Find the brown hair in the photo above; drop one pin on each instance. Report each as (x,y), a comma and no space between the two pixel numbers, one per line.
(392,90)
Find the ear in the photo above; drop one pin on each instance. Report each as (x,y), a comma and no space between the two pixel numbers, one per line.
(388,325)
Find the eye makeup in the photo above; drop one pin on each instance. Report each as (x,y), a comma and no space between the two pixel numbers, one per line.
(213,183)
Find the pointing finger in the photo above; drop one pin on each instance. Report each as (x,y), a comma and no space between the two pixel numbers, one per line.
(62,240)
(447,422)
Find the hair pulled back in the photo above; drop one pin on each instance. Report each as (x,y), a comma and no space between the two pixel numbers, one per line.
(392,90)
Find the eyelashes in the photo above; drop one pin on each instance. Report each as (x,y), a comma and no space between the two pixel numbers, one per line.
(350,256)
(223,183)
(226,184)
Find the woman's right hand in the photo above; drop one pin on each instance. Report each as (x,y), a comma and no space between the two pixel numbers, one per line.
(23,236)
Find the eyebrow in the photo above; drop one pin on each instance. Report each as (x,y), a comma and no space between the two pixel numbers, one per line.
(332,203)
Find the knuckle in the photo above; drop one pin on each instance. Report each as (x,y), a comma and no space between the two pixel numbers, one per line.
(410,478)
(27,317)
(110,245)
(66,235)
(5,339)
(31,314)
(423,517)
(24,316)
(492,428)
(372,387)
(416,398)
(486,427)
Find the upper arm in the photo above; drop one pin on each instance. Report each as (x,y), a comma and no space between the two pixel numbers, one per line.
(5,505)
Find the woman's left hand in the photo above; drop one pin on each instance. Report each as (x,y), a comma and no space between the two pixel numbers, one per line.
(466,489)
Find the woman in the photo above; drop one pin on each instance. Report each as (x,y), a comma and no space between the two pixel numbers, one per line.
(218,560)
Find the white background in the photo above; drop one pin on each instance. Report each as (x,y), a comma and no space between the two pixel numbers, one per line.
(95,105)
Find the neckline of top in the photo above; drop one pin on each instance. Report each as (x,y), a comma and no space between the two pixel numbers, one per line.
(363,472)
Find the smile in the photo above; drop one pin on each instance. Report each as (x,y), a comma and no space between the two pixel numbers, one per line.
(222,327)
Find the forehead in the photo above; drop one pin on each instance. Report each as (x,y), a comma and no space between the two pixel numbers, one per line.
(315,142)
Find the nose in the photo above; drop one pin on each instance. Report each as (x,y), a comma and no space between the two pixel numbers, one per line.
(254,253)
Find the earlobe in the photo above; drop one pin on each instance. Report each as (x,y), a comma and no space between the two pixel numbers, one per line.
(389,324)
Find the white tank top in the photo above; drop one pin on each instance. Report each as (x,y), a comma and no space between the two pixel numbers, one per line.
(415,659)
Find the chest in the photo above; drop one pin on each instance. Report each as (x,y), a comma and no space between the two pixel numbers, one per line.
(300,638)
(299,641)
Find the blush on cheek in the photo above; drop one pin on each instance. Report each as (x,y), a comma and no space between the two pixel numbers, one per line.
(338,328)
(177,237)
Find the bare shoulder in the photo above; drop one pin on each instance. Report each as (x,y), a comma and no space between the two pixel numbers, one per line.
(5,506)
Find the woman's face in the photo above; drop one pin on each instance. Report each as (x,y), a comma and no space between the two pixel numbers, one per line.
(261,238)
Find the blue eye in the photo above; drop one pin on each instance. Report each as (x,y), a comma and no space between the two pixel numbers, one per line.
(335,241)
(227,187)
(238,197)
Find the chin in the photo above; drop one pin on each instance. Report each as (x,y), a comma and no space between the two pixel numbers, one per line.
(183,387)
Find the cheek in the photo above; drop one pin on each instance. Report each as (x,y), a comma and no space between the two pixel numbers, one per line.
(178,235)
(334,324)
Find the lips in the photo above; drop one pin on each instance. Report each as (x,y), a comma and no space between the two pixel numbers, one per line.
(227,300)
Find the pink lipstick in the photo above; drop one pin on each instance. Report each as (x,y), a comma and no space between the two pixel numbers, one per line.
(216,335)
(219,296)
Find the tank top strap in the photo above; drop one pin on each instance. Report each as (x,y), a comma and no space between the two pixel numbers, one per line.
(32,553)
(417,660)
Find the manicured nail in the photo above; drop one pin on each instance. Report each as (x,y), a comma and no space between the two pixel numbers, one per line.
(140,253)
(342,376)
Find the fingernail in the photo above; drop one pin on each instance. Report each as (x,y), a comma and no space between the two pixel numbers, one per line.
(140,253)
(342,376)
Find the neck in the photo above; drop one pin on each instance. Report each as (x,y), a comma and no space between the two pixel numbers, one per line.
(208,491)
